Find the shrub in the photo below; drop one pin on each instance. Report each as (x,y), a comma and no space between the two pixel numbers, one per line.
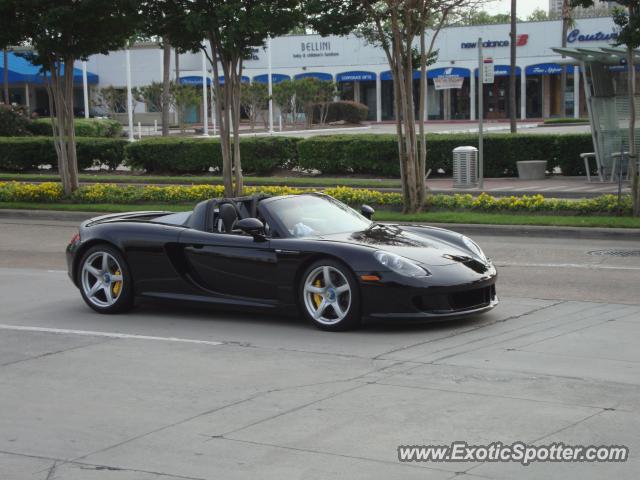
(14,121)
(28,153)
(96,127)
(112,193)
(194,155)
(377,154)
(350,112)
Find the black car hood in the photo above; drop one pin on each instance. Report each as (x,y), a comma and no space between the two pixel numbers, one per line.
(419,247)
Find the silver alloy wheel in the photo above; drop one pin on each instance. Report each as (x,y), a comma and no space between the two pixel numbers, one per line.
(327,295)
(102,281)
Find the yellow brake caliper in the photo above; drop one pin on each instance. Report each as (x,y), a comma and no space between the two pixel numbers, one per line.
(117,286)
(317,298)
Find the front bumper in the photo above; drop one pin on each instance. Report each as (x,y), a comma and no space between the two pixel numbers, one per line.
(450,292)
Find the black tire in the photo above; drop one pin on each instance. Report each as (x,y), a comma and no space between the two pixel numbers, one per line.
(338,313)
(121,295)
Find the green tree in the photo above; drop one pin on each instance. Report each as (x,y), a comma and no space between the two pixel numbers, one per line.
(628,24)
(538,15)
(10,35)
(312,93)
(184,97)
(151,95)
(112,99)
(284,95)
(61,32)
(395,25)
(254,98)
(232,28)
(473,16)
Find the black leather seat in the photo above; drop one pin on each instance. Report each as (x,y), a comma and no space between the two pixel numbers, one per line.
(229,216)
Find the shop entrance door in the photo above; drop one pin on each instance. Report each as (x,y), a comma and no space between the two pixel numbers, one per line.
(496,98)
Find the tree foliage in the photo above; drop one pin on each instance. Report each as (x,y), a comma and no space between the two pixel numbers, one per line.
(61,32)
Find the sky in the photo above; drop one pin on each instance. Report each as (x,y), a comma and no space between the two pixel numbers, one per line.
(524,7)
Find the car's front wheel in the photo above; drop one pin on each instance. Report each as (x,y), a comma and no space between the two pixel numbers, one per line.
(105,281)
(329,296)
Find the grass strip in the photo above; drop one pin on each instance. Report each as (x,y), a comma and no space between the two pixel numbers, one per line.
(382,215)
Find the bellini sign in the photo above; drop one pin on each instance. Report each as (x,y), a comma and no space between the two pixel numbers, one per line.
(315,49)
(577,36)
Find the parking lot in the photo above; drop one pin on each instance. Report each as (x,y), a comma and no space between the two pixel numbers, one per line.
(178,392)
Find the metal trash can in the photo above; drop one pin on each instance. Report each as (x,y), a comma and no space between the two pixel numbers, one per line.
(465,167)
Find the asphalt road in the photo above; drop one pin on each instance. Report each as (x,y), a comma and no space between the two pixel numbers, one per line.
(170,392)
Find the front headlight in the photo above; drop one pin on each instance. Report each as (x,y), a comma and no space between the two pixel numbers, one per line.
(400,265)
(473,246)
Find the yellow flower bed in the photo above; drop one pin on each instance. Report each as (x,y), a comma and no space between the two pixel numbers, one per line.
(172,194)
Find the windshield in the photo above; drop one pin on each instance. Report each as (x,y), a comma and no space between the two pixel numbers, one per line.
(309,215)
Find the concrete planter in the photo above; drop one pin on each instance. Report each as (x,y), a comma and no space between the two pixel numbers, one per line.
(532,169)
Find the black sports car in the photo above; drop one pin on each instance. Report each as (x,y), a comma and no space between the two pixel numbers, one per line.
(308,252)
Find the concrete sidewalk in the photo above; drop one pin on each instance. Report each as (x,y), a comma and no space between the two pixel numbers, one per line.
(552,187)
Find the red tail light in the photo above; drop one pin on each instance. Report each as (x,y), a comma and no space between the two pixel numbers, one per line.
(75,238)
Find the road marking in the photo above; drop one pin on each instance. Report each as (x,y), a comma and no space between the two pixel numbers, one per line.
(567,265)
(88,333)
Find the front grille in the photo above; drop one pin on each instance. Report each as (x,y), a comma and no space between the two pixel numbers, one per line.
(456,301)
(478,297)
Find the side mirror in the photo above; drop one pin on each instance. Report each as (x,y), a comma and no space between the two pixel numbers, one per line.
(367,211)
(252,226)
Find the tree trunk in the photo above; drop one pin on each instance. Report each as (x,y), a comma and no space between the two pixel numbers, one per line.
(178,112)
(422,163)
(633,158)
(166,81)
(61,102)
(6,76)
(513,111)
(566,20)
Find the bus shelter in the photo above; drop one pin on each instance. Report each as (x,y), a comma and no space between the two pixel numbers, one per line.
(605,77)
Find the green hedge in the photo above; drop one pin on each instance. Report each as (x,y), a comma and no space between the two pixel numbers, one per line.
(96,127)
(377,154)
(27,153)
(335,154)
(194,155)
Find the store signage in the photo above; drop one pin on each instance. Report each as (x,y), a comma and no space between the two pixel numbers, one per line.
(448,79)
(488,74)
(315,49)
(521,41)
(544,69)
(194,80)
(356,76)
(576,36)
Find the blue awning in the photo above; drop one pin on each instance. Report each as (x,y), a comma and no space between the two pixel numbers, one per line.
(356,75)
(387,75)
(327,77)
(22,70)
(501,71)
(195,80)
(275,78)
(448,71)
(544,69)
(243,80)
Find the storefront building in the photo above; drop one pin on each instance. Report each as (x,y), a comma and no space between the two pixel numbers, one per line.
(362,73)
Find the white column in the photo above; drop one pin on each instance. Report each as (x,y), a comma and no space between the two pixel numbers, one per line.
(356,91)
(270,85)
(27,100)
(129,95)
(472,96)
(378,98)
(523,94)
(426,96)
(85,89)
(576,91)
(205,104)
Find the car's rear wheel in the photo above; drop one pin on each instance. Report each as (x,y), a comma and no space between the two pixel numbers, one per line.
(329,296)
(104,280)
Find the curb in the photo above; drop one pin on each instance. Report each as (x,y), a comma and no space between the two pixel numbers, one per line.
(592,233)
